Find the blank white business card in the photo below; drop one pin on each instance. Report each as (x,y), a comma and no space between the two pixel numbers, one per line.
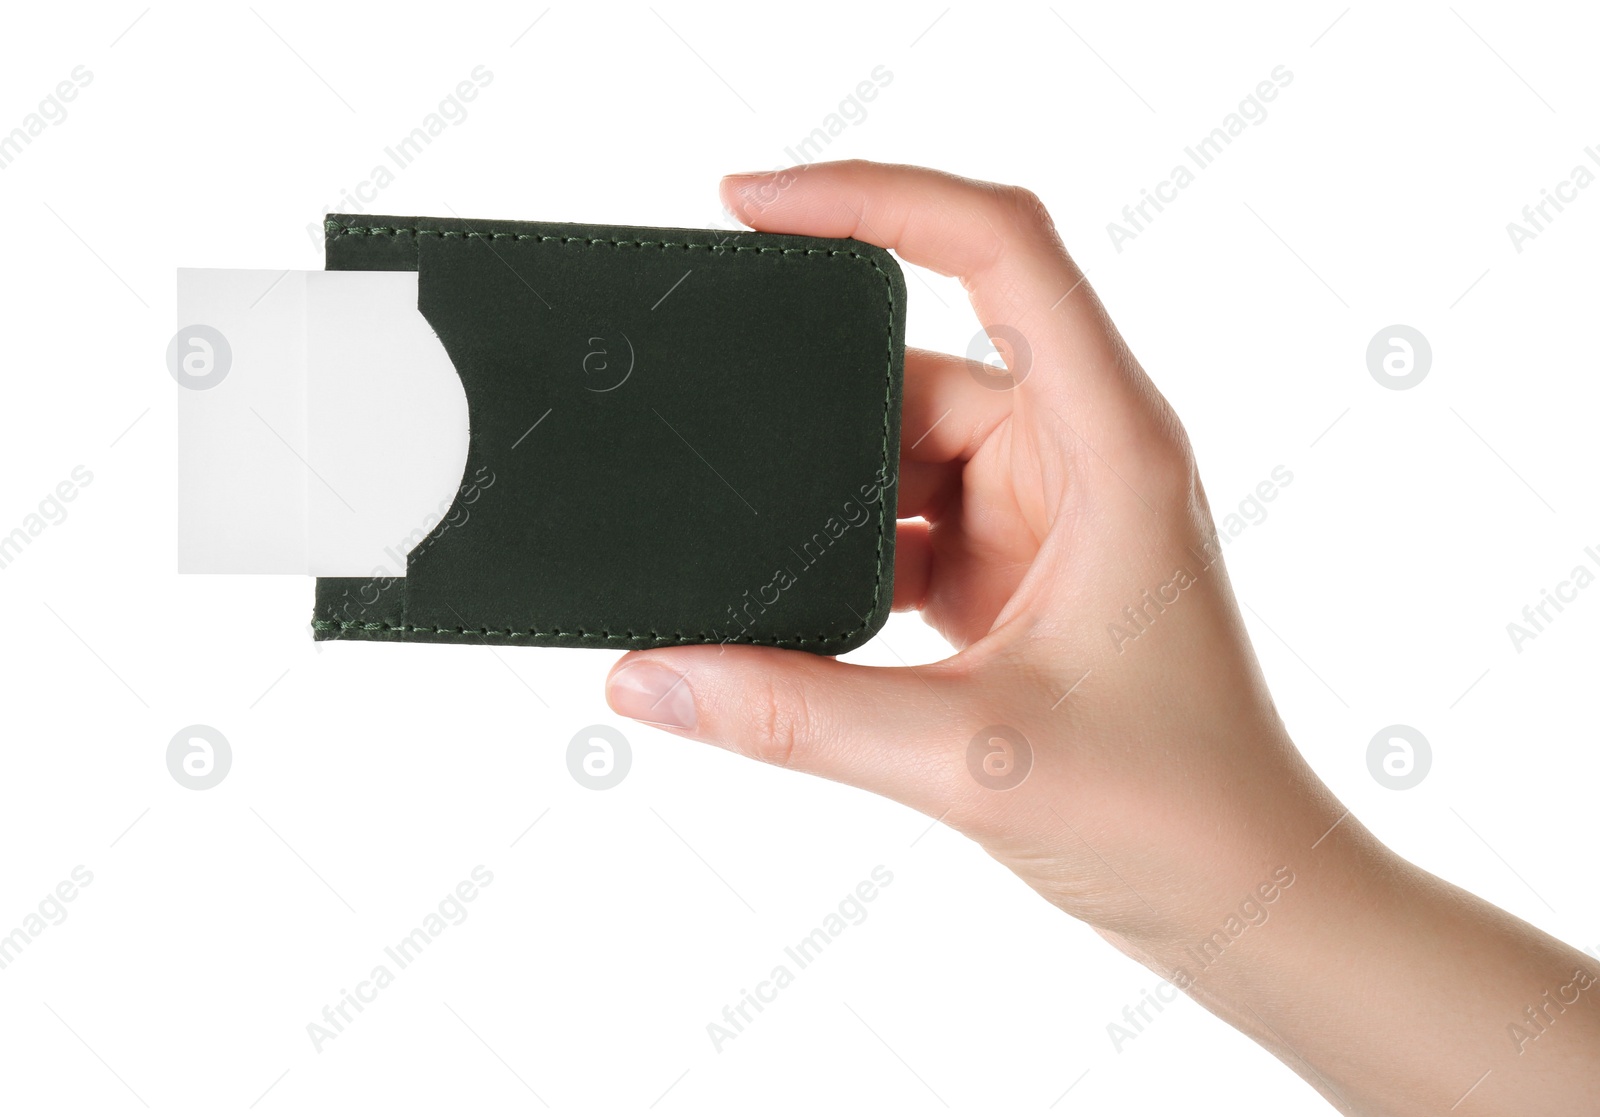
(321,426)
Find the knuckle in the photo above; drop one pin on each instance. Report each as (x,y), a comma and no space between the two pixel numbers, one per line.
(782,723)
(1180,452)
(1168,476)
(1018,219)
(1014,216)
(1027,210)
(1170,459)
(1150,445)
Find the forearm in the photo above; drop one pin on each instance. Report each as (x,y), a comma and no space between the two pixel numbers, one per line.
(1393,992)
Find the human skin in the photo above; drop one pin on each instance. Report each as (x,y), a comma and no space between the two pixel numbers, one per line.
(1164,789)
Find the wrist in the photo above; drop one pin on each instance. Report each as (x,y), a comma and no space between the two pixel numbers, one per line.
(1294,889)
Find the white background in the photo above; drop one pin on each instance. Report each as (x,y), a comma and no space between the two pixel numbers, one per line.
(368,779)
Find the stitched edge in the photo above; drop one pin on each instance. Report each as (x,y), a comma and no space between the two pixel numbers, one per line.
(632,637)
(333,228)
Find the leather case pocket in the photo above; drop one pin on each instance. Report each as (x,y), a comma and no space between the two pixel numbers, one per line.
(676,436)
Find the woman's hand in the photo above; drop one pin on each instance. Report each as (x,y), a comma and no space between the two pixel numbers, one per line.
(1104,729)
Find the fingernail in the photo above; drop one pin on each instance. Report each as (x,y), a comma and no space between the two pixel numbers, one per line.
(647,691)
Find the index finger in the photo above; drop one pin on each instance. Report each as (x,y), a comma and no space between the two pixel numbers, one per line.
(999,240)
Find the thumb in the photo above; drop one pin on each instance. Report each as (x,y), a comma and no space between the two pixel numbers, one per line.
(885,729)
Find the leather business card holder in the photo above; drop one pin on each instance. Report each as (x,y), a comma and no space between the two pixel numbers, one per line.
(676,436)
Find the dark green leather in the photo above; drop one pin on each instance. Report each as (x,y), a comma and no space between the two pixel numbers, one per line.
(736,486)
